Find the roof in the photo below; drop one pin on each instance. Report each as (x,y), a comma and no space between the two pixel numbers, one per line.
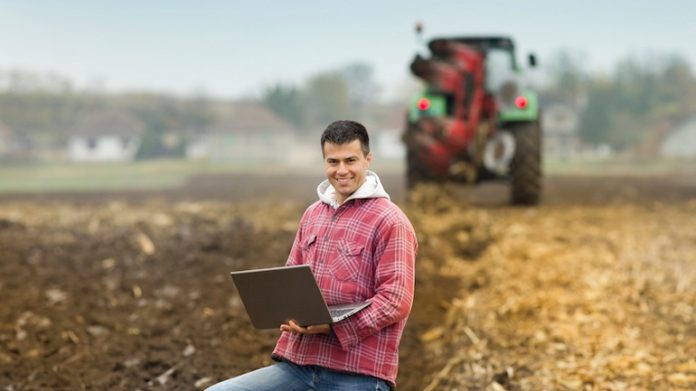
(248,117)
(5,131)
(108,122)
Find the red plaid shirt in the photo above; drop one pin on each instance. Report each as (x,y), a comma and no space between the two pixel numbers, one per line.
(364,250)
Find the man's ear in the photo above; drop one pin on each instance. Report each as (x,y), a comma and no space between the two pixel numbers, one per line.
(369,158)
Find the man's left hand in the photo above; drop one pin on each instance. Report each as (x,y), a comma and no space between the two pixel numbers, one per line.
(293,327)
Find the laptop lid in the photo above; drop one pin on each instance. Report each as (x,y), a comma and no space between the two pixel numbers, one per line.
(272,296)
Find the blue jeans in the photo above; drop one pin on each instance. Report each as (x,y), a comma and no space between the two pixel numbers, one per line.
(290,377)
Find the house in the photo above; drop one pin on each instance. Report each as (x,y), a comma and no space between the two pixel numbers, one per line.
(103,136)
(14,146)
(7,139)
(681,142)
(560,126)
(386,129)
(245,132)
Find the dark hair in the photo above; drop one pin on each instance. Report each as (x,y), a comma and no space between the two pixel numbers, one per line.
(341,132)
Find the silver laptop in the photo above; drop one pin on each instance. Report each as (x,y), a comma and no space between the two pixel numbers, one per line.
(272,296)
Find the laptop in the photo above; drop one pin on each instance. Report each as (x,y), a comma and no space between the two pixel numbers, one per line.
(272,296)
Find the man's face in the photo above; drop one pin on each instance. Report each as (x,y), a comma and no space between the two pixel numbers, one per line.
(345,167)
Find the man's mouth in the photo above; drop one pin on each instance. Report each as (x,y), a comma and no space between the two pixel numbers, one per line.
(343,181)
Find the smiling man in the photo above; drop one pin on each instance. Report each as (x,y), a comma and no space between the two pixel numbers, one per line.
(360,246)
(346,167)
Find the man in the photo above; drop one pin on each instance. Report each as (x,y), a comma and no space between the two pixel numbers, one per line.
(360,246)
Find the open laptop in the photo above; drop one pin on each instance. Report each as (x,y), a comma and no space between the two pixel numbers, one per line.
(274,295)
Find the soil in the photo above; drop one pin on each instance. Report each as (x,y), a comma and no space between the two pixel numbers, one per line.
(594,289)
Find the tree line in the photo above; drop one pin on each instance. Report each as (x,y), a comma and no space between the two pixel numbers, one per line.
(631,107)
(347,92)
(47,108)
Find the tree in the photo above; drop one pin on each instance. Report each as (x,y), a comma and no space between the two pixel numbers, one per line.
(568,79)
(363,91)
(348,92)
(636,106)
(677,90)
(595,119)
(326,98)
(166,121)
(285,102)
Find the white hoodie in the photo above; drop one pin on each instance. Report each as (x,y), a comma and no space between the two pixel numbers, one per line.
(371,188)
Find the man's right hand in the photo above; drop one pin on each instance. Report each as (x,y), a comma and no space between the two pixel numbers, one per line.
(293,327)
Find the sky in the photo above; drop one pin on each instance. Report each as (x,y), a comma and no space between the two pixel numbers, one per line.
(232,49)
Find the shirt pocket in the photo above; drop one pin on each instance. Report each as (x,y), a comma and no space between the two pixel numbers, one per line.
(309,248)
(347,264)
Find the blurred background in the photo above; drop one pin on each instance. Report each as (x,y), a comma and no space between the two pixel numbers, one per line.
(149,148)
(93,88)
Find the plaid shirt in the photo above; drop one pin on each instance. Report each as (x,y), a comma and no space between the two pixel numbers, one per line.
(363,250)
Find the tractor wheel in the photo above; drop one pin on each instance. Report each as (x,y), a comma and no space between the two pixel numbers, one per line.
(416,171)
(525,168)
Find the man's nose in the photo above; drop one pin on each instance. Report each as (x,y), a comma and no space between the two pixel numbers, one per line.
(342,169)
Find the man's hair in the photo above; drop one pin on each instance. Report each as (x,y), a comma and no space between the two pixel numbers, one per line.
(341,132)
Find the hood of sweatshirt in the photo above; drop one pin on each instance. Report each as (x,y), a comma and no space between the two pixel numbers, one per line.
(371,188)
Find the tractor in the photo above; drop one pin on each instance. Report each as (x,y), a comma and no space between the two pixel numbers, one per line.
(475,120)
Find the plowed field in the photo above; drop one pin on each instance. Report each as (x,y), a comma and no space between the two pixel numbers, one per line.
(593,290)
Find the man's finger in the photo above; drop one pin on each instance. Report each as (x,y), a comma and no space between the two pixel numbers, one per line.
(292,327)
(297,327)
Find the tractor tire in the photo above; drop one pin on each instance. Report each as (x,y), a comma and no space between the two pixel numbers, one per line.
(525,168)
(416,171)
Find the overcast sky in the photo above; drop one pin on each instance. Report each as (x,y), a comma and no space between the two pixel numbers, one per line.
(232,49)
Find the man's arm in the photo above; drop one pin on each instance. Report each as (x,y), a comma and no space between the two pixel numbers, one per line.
(394,286)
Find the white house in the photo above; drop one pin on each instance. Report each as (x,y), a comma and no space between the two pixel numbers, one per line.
(105,136)
(560,126)
(6,139)
(681,142)
(14,145)
(386,130)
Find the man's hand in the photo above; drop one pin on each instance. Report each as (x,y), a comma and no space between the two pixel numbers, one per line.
(293,327)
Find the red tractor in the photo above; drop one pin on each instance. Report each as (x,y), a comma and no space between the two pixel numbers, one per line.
(474,121)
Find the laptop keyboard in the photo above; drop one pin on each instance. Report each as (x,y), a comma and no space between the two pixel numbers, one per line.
(339,311)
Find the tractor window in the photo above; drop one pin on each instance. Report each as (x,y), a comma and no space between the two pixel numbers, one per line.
(500,68)
(449,104)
